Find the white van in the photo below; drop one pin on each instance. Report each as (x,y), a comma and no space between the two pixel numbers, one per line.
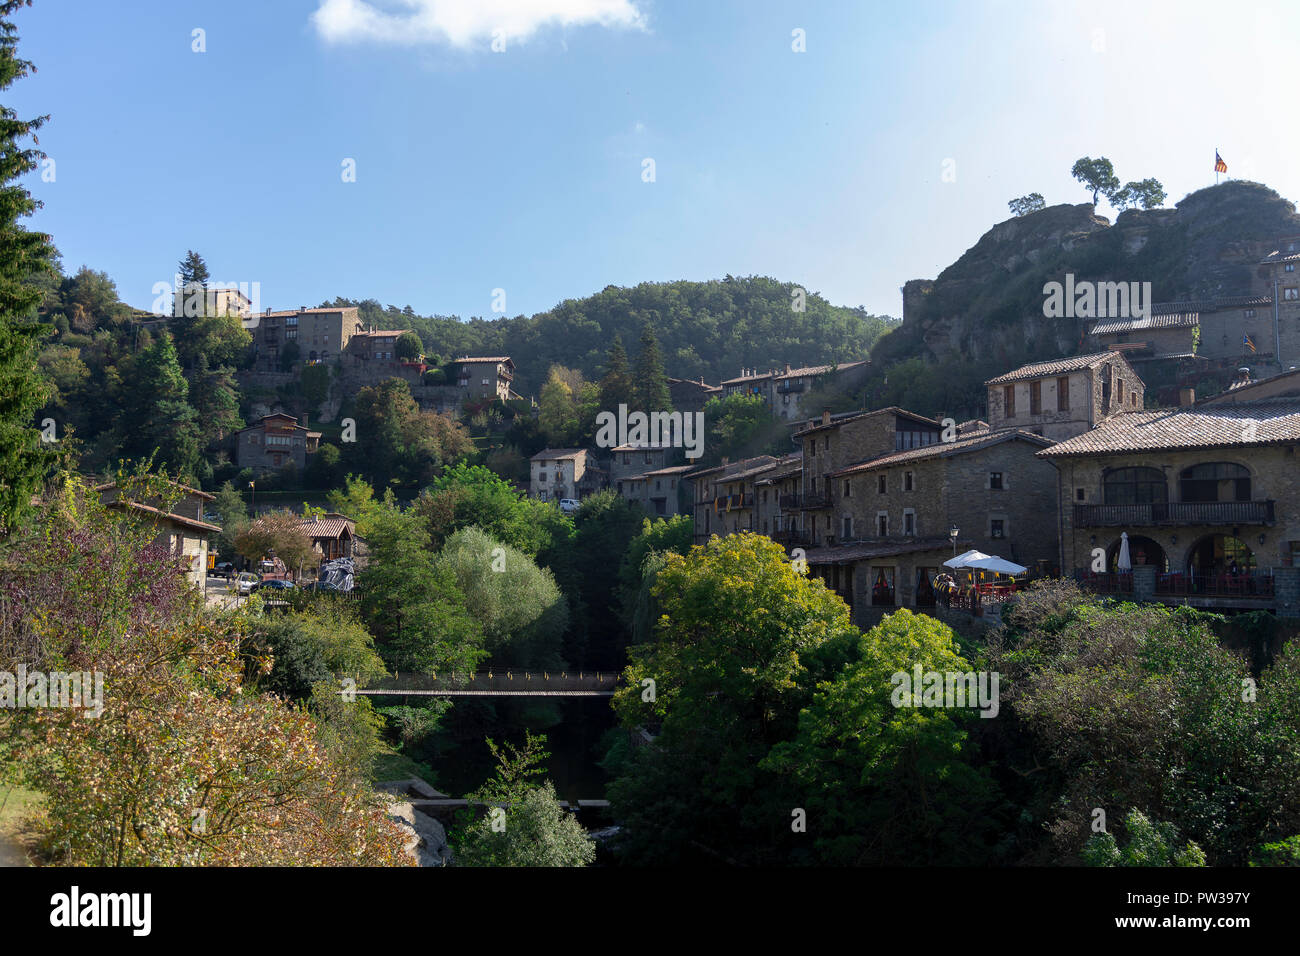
(569,505)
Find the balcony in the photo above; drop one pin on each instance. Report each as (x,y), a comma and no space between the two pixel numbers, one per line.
(792,539)
(728,502)
(787,387)
(1174,513)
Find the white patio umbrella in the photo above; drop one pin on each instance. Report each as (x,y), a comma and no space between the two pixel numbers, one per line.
(1124,562)
(979,561)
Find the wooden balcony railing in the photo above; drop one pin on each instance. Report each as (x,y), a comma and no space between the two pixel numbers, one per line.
(1175,513)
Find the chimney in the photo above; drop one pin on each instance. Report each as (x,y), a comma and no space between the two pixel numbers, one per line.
(726,460)
(787,368)
(826,416)
(305,423)
(1186,396)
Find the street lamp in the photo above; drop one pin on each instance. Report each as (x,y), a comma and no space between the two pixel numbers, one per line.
(253,505)
(952,536)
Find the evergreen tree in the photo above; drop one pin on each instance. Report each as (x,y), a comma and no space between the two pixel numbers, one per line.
(616,386)
(650,384)
(216,400)
(24,459)
(193,269)
(157,416)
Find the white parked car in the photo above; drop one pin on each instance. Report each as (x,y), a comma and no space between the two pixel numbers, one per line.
(245,583)
(569,505)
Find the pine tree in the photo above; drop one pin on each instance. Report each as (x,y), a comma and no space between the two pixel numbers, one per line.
(24,459)
(193,269)
(650,384)
(616,386)
(157,416)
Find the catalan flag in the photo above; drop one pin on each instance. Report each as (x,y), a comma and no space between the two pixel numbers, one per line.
(1219,165)
(1246,341)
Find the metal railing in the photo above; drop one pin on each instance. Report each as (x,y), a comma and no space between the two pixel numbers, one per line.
(1175,512)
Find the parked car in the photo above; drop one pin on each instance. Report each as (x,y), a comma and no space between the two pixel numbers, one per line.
(569,505)
(224,569)
(246,581)
(274,584)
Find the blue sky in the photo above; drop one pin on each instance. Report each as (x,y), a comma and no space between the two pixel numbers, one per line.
(522,169)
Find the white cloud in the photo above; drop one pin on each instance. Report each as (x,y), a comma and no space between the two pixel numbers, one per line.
(464,24)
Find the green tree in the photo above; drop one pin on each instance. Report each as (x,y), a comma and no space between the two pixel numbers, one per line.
(519,606)
(215,397)
(650,383)
(415,611)
(1027,204)
(1097,175)
(742,639)
(889,785)
(25,460)
(1150,843)
(557,411)
(616,385)
(530,828)
(1144,194)
(409,347)
(156,416)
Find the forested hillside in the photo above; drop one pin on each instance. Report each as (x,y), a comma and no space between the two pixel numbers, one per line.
(710,329)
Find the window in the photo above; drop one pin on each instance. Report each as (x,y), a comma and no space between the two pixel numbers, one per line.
(1215,481)
(826,447)
(1063,394)
(1119,391)
(1133,399)
(541,479)
(1291,294)
(995,480)
(997,528)
(1289,267)
(909,522)
(847,528)
(812,485)
(1035,398)
(290,334)
(848,489)
(1080,494)
(881,485)
(909,483)
(1248,314)
(812,448)
(882,524)
(1009,401)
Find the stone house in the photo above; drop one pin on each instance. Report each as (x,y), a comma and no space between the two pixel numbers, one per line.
(772,488)
(834,444)
(556,473)
(1065,397)
(181,527)
(321,335)
(275,442)
(690,396)
(785,389)
(485,377)
(719,502)
(333,535)
(1200,491)
(894,516)
(657,492)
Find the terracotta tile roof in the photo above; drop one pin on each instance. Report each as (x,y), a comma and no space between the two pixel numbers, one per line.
(1053,367)
(1170,320)
(175,484)
(847,553)
(330,526)
(557,454)
(175,518)
(482,360)
(964,444)
(1236,390)
(674,470)
(1264,422)
(818,369)
(326,308)
(1211,305)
